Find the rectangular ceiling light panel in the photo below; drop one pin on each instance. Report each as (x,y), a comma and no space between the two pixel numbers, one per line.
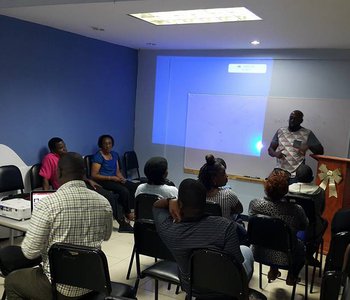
(198,16)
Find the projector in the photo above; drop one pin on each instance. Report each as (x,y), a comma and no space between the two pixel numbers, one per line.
(18,209)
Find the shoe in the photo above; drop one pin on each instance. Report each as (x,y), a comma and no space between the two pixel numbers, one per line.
(313,262)
(125,228)
(291,280)
(273,274)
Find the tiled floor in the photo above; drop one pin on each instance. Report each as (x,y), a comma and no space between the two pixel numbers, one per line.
(118,250)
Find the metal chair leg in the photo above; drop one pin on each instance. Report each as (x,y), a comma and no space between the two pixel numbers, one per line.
(260,276)
(131,262)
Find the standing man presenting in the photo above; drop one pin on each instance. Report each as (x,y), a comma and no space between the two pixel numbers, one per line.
(290,144)
(73,214)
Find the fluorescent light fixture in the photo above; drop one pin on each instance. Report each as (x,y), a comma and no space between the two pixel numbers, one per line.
(197,16)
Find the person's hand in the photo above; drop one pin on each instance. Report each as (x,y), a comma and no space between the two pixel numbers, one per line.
(303,148)
(174,210)
(280,155)
(94,184)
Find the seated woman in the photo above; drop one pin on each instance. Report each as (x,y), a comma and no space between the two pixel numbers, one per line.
(106,172)
(156,171)
(274,205)
(213,176)
(314,232)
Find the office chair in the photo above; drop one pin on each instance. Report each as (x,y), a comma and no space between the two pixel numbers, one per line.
(36,181)
(143,210)
(216,274)
(84,267)
(11,180)
(131,164)
(149,243)
(266,232)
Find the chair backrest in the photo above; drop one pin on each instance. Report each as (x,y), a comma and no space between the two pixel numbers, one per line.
(36,181)
(213,208)
(307,203)
(131,165)
(144,206)
(88,163)
(148,241)
(218,273)
(10,179)
(335,256)
(341,221)
(79,266)
(271,233)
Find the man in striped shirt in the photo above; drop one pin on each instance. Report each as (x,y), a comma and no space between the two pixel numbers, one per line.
(183,226)
(73,214)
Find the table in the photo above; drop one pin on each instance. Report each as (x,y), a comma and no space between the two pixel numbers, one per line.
(13,224)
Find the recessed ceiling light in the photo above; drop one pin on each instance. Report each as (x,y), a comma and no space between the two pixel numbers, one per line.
(255,42)
(197,16)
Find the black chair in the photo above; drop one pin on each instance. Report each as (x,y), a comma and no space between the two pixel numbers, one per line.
(273,234)
(330,286)
(149,243)
(11,180)
(36,181)
(143,210)
(216,274)
(335,256)
(84,267)
(131,164)
(308,205)
(213,208)
(333,280)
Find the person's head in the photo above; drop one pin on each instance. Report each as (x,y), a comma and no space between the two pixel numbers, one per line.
(276,185)
(105,142)
(212,174)
(70,167)
(221,161)
(295,119)
(192,198)
(304,174)
(57,145)
(156,170)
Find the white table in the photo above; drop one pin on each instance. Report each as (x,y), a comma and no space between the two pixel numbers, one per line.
(14,225)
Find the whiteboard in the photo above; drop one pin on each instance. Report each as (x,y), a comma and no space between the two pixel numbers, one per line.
(329,119)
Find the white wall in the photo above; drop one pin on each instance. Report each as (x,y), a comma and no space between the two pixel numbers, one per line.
(296,73)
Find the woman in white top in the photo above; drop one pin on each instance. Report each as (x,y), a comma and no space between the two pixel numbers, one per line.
(156,171)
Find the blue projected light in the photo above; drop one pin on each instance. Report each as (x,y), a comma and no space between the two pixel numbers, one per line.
(211,103)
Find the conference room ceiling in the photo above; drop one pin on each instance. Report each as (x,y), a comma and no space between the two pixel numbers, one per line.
(286,24)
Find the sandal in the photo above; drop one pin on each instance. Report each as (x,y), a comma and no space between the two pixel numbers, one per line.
(273,274)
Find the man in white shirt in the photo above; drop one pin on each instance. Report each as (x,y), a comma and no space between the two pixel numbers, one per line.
(73,214)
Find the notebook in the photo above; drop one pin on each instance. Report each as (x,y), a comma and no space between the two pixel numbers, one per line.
(36,196)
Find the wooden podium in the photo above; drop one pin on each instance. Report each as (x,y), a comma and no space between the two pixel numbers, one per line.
(328,167)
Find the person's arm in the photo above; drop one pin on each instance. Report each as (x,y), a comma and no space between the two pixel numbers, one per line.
(314,144)
(46,184)
(119,174)
(109,224)
(232,243)
(171,204)
(273,146)
(236,205)
(36,238)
